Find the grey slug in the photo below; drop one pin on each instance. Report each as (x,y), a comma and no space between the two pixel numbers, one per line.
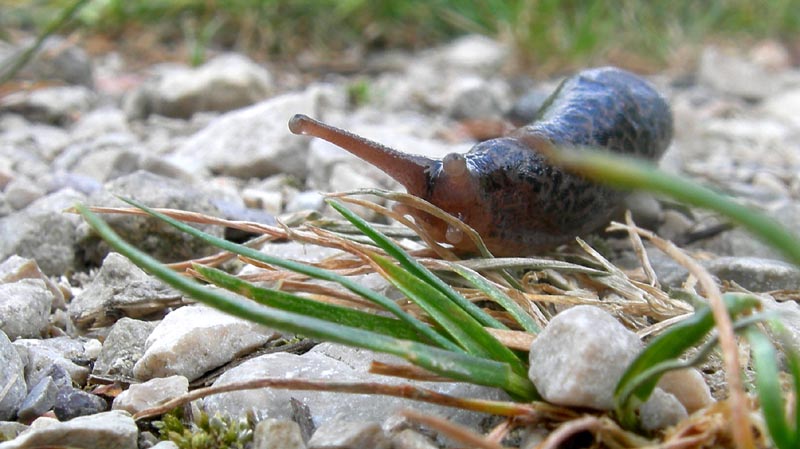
(504,188)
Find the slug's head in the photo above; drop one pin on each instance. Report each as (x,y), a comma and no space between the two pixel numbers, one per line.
(450,183)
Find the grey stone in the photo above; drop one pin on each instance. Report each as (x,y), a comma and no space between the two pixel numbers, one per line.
(754,274)
(123,347)
(195,339)
(25,308)
(332,362)
(39,400)
(164,445)
(63,180)
(72,403)
(58,105)
(784,107)
(475,53)
(410,439)
(142,396)
(310,200)
(660,411)
(580,356)
(108,430)
(22,192)
(58,59)
(264,145)
(154,237)
(474,98)
(732,73)
(43,232)
(49,357)
(16,268)
(688,387)
(10,429)
(525,109)
(224,83)
(349,435)
(12,379)
(276,433)
(120,288)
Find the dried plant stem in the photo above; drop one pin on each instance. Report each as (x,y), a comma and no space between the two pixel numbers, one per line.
(454,431)
(529,411)
(740,424)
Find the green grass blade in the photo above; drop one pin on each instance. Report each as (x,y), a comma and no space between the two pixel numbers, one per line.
(297,304)
(768,386)
(633,174)
(415,267)
(464,329)
(638,380)
(423,329)
(515,310)
(454,365)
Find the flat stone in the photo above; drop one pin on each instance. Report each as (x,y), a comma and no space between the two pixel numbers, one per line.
(410,439)
(195,339)
(108,430)
(580,356)
(12,379)
(43,232)
(277,433)
(25,308)
(328,361)
(72,403)
(756,274)
(688,387)
(349,435)
(660,411)
(146,395)
(123,347)
(44,355)
(40,400)
(16,268)
(264,145)
(120,288)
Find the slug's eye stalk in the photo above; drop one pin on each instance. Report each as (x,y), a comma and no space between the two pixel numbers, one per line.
(408,169)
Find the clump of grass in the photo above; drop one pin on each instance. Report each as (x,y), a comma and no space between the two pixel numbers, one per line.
(448,335)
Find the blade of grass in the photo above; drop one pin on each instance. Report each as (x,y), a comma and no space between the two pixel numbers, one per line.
(637,381)
(634,174)
(768,386)
(517,312)
(455,365)
(297,304)
(430,334)
(415,267)
(464,329)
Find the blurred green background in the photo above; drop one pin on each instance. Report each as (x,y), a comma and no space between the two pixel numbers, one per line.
(545,34)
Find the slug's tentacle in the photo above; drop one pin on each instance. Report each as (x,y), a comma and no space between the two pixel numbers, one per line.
(407,169)
(504,188)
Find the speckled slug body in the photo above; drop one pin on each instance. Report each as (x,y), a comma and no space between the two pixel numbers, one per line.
(505,189)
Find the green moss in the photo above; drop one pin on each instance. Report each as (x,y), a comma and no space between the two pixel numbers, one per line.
(205,432)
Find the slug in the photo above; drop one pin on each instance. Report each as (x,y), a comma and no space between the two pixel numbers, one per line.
(504,188)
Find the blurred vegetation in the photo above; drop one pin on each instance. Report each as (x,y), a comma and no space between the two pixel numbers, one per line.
(544,32)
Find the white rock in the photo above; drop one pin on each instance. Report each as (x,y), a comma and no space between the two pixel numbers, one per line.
(260,136)
(196,339)
(12,379)
(349,435)
(107,430)
(580,356)
(661,411)
(689,387)
(25,308)
(329,361)
(784,106)
(142,396)
(276,433)
(734,74)
(410,439)
(475,53)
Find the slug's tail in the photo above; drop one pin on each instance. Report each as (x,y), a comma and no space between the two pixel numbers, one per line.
(407,169)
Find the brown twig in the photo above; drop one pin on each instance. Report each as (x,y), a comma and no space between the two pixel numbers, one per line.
(454,431)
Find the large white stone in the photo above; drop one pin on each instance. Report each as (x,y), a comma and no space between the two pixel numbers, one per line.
(195,339)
